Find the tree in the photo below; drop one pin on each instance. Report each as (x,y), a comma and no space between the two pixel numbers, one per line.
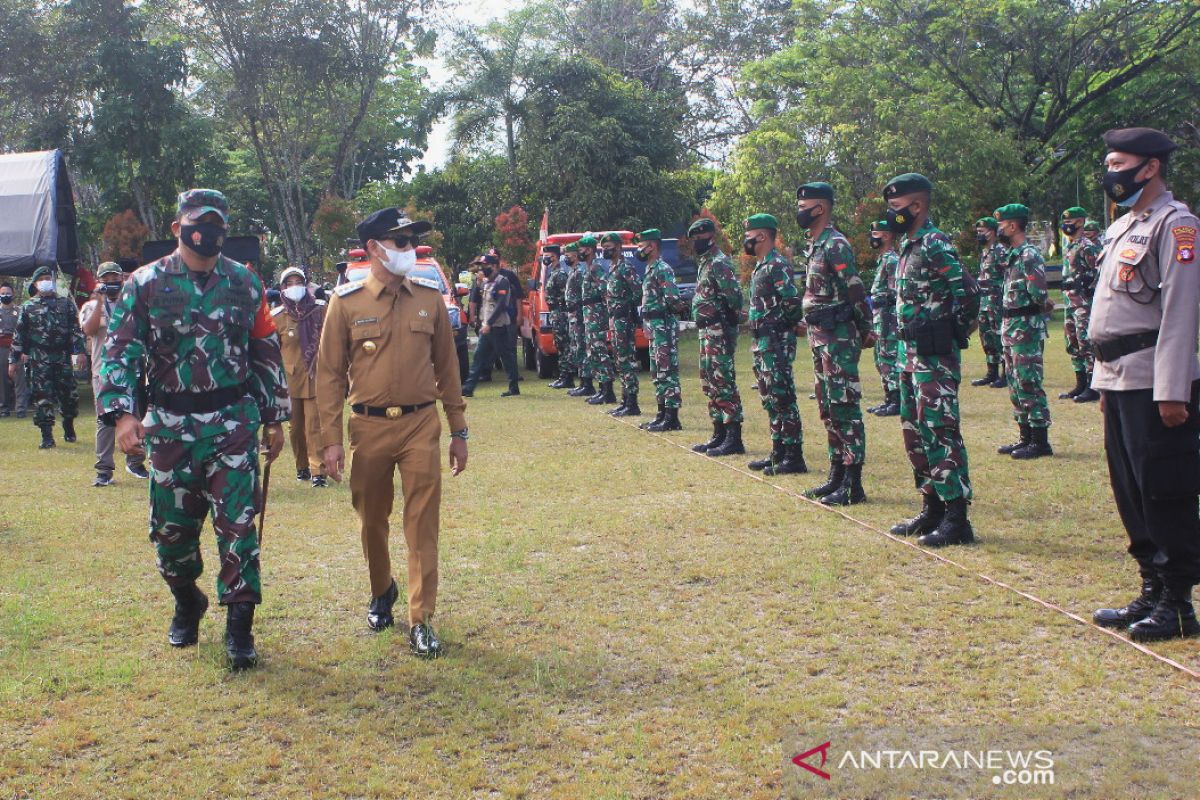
(123,237)
(512,239)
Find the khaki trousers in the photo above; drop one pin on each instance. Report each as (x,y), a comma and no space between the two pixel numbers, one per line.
(305,429)
(377,447)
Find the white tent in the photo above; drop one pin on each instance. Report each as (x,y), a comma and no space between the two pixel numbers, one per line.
(37,213)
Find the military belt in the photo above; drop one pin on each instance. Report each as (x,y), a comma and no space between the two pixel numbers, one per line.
(655,314)
(391,412)
(197,402)
(1113,349)
(770,326)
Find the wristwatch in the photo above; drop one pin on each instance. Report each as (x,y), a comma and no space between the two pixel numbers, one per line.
(110,417)
(459,434)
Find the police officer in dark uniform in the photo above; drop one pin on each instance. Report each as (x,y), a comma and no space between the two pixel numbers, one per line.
(1144,329)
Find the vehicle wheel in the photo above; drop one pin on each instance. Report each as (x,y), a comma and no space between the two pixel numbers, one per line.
(644,359)
(529,351)
(547,365)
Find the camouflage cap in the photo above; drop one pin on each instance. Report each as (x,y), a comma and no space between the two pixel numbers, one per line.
(1074,212)
(40,271)
(987,222)
(702,225)
(588,241)
(908,183)
(195,202)
(1012,211)
(767,221)
(109,268)
(649,235)
(611,236)
(816,190)
(1091,225)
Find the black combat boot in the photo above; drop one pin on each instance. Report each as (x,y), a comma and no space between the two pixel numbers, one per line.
(732,444)
(792,462)
(559,382)
(585,388)
(670,422)
(610,396)
(190,605)
(1173,616)
(597,397)
(1038,445)
(630,409)
(239,641)
(718,436)
(513,390)
(993,372)
(955,527)
(1088,395)
(566,381)
(47,436)
(851,491)
(68,429)
(932,512)
(1001,381)
(1080,385)
(1137,610)
(837,474)
(1026,438)
(891,408)
(614,412)
(658,418)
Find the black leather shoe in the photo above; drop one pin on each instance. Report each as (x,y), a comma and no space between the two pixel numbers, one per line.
(1001,381)
(567,383)
(932,512)
(1088,395)
(239,641)
(1081,383)
(670,422)
(851,491)
(891,408)
(1173,617)
(616,412)
(68,430)
(837,474)
(303,474)
(598,398)
(379,613)
(1137,610)
(631,408)
(731,445)
(584,389)
(190,605)
(954,529)
(423,642)
(718,436)
(792,462)
(513,391)
(320,482)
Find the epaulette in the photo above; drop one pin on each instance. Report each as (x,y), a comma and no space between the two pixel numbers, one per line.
(428,283)
(277,310)
(349,288)
(320,302)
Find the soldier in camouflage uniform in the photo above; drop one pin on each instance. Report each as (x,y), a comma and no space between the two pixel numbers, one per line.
(775,310)
(839,326)
(1026,304)
(623,295)
(717,310)
(937,304)
(883,317)
(1081,269)
(1091,231)
(46,338)
(556,302)
(595,322)
(201,323)
(992,258)
(14,393)
(578,333)
(660,314)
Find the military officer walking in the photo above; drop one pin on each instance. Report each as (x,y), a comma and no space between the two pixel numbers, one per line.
(992,258)
(14,391)
(659,312)
(389,347)
(883,311)
(775,310)
(1080,269)
(48,339)
(212,356)
(298,319)
(1143,330)
(937,304)
(623,295)
(595,322)
(717,310)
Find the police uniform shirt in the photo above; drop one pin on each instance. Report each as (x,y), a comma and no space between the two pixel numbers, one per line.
(1150,281)
(387,346)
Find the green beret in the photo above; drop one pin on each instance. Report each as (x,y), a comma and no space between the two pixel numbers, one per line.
(108,268)
(987,222)
(650,235)
(196,202)
(1139,142)
(39,272)
(767,221)
(1012,211)
(702,225)
(1091,225)
(1074,212)
(587,241)
(908,183)
(611,236)
(572,247)
(817,190)
(880,226)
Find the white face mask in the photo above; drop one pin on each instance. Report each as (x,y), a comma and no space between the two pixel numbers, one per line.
(358,273)
(400,262)
(45,287)
(295,293)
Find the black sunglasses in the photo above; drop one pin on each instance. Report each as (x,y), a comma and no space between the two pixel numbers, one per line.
(402,240)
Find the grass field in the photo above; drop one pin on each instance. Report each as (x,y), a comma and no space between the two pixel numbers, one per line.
(626,619)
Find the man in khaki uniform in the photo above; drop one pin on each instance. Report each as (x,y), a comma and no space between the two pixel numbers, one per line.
(299,318)
(388,344)
(1144,329)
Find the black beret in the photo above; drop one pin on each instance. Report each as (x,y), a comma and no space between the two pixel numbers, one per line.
(551,248)
(1139,142)
(817,190)
(390,220)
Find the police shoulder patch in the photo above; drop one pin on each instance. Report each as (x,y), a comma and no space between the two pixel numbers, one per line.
(420,280)
(1185,244)
(349,288)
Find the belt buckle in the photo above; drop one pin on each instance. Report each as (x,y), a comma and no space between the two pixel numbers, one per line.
(394,412)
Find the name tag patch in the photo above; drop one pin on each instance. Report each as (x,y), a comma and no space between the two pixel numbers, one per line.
(366,321)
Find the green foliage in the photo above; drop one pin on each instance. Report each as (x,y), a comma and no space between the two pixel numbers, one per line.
(512,238)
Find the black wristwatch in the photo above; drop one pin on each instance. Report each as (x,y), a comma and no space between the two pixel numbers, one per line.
(110,417)
(462,434)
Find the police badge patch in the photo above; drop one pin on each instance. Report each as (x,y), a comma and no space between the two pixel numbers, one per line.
(1185,244)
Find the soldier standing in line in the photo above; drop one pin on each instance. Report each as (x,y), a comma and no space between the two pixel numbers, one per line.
(14,391)
(717,310)
(595,322)
(299,318)
(623,294)
(201,323)
(775,310)
(1026,304)
(1144,328)
(659,312)
(883,311)
(937,303)
(556,303)
(991,301)
(1081,264)
(49,340)
(575,279)
(839,326)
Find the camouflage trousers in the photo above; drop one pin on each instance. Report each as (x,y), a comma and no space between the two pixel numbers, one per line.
(664,360)
(624,344)
(839,392)
(989,329)
(718,378)
(1075,330)
(929,422)
(1023,361)
(578,337)
(773,355)
(562,341)
(188,481)
(52,383)
(599,356)
(887,352)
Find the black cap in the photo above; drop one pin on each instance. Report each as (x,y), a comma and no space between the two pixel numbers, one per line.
(388,221)
(551,248)
(1139,142)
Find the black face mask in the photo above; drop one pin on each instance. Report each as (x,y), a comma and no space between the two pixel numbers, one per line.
(113,290)
(805,216)
(1119,185)
(981,238)
(642,255)
(6,298)
(875,242)
(701,246)
(899,221)
(547,261)
(610,253)
(1069,228)
(748,246)
(205,239)
(585,255)
(488,271)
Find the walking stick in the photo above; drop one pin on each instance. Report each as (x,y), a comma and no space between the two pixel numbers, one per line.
(266,489)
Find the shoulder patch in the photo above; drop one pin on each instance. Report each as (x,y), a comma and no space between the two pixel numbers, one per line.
(1185,244)
(276,311)
(428,283)
(349,288)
